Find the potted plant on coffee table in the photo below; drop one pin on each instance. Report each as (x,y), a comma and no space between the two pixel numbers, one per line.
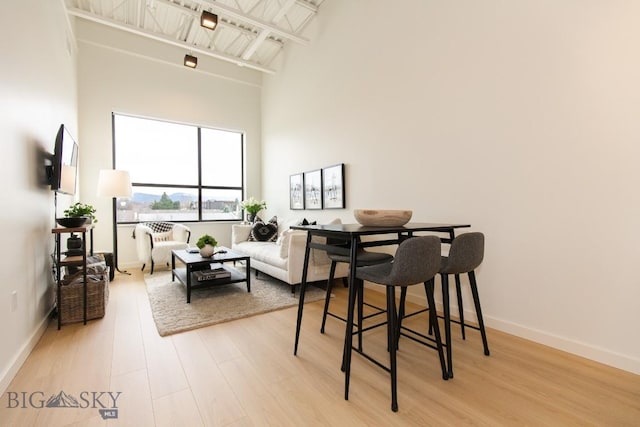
(207,245)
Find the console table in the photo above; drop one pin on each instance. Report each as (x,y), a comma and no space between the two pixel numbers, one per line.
(75,260)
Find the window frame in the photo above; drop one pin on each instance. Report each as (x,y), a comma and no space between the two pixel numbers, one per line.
(199,187)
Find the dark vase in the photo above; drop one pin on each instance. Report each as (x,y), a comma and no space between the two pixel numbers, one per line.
(74,245)
(251,217)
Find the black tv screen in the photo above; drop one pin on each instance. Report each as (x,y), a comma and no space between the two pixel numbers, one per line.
(64,168)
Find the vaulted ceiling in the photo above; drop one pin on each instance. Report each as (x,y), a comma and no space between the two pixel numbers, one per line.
(249,33)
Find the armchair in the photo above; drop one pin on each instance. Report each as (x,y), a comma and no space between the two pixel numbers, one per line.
(156,240)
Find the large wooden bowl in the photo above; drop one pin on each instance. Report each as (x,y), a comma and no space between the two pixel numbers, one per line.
(382,217)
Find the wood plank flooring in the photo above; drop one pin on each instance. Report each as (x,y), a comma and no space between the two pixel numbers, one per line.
(243,373)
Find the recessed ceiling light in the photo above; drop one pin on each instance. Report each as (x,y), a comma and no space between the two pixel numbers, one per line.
(190,61)
(208,20)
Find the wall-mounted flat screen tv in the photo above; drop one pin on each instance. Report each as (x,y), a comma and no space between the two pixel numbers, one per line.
(64,168)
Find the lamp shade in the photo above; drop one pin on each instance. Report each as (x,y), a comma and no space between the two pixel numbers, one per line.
(114,183)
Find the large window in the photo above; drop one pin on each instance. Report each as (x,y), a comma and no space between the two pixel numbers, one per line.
(178,172)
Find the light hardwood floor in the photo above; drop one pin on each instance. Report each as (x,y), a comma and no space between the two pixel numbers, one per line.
(243,373)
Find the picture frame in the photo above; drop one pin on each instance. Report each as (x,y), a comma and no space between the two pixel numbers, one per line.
(333,194)
(313,189)
(296,191)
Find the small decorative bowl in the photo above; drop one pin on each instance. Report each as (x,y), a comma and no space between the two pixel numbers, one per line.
(382,217)
(72,221)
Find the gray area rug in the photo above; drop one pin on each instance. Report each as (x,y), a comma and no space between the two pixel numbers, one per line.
(217,304)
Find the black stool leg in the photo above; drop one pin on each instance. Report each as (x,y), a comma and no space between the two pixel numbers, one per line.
(403,299)
(332,272)
(360,312)
(460,308)
(433,320)
(348,337)
(350,305)
(476,301)
(447,321)
(391,341)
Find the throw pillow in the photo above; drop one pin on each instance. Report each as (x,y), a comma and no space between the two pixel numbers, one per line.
(162,237)
(285,241)
(305,222)
(264,231)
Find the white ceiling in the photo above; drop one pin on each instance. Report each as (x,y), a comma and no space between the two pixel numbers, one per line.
(249,33)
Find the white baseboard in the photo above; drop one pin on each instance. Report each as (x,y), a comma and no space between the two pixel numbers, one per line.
(588,351)
(10,372)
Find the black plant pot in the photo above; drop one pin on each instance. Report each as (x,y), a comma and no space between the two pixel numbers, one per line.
(72,222)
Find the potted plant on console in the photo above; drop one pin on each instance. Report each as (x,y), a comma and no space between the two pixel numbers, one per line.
(77,215)
(253,206)
(207,245)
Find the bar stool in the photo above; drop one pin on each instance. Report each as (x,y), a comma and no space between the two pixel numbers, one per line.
(364,258)
(465,255)
(417,260)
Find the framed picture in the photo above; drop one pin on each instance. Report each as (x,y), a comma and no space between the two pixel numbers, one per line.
(313,189)
(333,187)
(296,194)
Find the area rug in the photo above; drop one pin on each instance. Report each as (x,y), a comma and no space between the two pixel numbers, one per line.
(217,304)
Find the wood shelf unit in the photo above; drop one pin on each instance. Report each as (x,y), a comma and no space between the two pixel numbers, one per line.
(61,260)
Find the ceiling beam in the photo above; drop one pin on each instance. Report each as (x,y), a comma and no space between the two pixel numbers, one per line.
(222,22)
(234,13)
(166,39)
(304,3)
(255,44)
(142,10)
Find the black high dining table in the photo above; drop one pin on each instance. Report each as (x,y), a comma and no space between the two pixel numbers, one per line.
(351,237)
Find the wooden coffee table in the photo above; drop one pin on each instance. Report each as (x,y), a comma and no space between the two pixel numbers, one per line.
(194,262)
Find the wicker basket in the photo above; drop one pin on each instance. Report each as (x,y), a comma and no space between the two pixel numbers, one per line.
(71,307)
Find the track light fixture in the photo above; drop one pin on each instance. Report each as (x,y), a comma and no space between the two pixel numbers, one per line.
(190,61)
(208,20)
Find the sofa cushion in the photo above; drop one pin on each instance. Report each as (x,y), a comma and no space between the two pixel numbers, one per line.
(283,241)
(285,224)
(264,231)
(266,252)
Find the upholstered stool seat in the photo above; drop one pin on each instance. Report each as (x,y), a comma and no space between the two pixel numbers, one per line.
(417,260)
(364,258)
(465,255)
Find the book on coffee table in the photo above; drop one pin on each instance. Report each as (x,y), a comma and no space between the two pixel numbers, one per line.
(212,274)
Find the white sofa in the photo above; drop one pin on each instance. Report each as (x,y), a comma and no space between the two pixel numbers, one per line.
(284,258)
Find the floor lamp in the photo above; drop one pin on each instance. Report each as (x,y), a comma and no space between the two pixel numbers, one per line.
(114,183)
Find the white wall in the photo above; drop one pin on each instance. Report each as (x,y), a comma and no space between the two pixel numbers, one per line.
(520,118)
(124,73)
(38,87)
